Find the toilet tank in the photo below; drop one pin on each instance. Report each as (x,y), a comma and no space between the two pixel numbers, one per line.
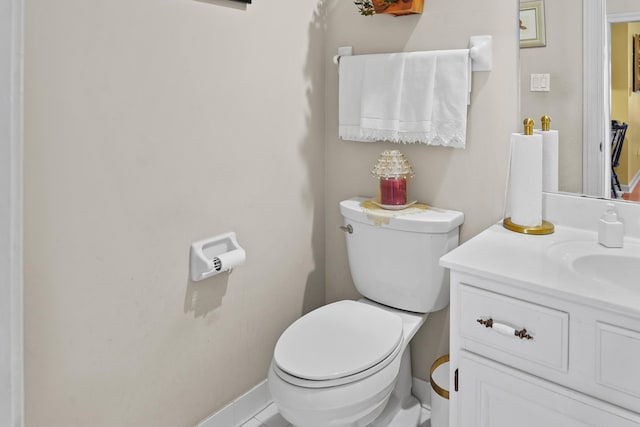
(395,261)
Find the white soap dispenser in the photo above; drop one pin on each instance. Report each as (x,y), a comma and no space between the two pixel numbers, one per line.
(610,229)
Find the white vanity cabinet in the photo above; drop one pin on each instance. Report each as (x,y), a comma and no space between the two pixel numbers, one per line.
(522,356)
(535,342)
(499,396)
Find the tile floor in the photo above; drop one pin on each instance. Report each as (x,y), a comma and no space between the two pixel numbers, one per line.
(269,417)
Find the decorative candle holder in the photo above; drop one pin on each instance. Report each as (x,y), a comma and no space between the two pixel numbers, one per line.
(392,170)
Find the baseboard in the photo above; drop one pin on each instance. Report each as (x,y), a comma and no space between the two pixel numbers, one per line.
(255,400)
(241,409)
(632,185)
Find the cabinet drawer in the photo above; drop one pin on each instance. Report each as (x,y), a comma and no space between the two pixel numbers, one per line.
(544,340)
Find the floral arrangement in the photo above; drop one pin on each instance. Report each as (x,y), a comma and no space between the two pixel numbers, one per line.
(370,7)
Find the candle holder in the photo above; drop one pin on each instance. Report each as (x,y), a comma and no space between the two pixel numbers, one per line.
(393,171)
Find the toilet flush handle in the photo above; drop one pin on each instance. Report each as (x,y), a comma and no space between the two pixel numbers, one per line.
(347,228)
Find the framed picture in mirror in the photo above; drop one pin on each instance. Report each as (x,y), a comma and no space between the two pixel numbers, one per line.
(532,31)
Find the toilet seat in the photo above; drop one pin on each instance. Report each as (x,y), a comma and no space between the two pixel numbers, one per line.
(337,344)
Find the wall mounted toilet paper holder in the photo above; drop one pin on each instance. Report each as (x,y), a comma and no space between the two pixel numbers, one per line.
(214,255)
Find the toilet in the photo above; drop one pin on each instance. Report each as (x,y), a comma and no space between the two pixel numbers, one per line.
(348,363)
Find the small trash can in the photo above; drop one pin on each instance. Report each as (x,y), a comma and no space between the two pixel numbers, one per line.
(439,380)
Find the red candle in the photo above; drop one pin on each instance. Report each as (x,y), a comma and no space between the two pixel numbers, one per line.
(393,191)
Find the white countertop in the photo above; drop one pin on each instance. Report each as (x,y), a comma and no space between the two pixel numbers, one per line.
(530,261)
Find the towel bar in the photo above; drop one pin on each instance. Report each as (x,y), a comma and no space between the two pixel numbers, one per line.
(480,51)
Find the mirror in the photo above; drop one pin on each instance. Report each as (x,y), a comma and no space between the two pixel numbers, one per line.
(561,58)
(576,56)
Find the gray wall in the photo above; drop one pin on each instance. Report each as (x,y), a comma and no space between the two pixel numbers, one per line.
(150,125)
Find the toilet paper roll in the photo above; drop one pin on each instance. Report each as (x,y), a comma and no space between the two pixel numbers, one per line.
(549,160)
(526,180)
(230,259)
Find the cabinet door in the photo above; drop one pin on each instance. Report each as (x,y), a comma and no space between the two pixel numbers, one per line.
(494,395)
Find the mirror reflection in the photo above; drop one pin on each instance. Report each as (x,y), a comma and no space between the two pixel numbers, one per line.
(562,59)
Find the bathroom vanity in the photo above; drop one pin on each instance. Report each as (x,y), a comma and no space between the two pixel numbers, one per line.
(545,330)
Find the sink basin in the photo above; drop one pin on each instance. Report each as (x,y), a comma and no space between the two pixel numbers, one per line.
(616,266)
(616,269)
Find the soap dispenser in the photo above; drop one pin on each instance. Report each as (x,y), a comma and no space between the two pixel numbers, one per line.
(610,229)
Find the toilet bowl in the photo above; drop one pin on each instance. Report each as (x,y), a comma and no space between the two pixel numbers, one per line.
(344,377)
(348,364)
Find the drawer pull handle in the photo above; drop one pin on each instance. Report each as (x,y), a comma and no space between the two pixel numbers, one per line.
(505,329)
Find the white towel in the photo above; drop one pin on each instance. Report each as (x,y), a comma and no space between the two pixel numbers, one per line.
(414,97)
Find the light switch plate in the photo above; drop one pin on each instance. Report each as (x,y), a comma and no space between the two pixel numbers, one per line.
(540,82)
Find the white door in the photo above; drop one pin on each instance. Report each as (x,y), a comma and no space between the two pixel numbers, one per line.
(494,395)
(11,213)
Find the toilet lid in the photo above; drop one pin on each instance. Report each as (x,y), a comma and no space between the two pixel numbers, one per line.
(338,340)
